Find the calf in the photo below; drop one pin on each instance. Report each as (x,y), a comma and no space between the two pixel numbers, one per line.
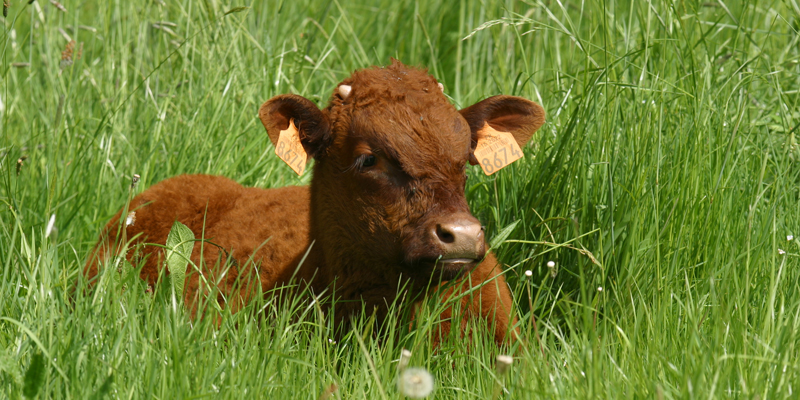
(385,208)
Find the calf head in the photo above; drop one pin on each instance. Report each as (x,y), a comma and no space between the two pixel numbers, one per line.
(390,159)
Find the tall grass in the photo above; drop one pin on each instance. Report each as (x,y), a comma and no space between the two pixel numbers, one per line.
(664,187)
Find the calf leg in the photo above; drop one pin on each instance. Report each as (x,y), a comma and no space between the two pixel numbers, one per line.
(484,295)
(493,302)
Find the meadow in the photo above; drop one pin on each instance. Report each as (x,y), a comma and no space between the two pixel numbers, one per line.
(664,188)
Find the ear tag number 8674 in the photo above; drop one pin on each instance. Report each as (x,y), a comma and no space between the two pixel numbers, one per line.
(290,150)
(495,149)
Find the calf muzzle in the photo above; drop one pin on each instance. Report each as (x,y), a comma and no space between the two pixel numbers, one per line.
(461,244)
(459,236)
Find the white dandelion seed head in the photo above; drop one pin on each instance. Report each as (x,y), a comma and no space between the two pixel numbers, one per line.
(415,383)
(529,273)
(405,357)
(504,363)
(599,288)
(789,237)
(781,252)
(552,267)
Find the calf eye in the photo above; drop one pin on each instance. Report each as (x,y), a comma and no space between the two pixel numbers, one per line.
(368,161)
(363,161)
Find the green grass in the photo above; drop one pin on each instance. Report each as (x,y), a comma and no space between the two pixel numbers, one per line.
(667,175)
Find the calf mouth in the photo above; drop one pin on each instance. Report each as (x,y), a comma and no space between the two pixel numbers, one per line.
(452,268)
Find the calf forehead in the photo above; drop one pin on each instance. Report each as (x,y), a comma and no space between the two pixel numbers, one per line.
(403,112)
(414,136)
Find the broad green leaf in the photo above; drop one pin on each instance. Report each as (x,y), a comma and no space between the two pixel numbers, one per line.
(180,242)
(104,388)
(34,376)
(8,365)
(503,234)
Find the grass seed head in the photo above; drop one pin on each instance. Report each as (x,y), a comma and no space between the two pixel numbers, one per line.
(50,226)
(66,55)
(134,180)
(67,58)
(58,5)
(20,161)
(331,389)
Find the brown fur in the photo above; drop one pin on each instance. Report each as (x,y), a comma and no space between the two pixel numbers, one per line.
(370,226)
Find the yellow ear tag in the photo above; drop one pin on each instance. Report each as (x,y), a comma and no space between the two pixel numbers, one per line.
(290,150)
(495,149)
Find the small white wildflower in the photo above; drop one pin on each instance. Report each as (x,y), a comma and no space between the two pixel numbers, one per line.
(781,252)
(331,341)
(405,357)
(599,288)
(131,218)
(789,237)
(503,364)
(552,267)
(50,225)
(415,383)
(529,273)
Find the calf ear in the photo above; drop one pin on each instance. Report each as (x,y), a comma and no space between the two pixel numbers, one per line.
(312,124)
(516,115)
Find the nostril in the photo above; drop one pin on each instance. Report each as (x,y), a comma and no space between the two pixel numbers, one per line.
(444,234)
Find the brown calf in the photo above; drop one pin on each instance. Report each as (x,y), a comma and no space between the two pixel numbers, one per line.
(385,207)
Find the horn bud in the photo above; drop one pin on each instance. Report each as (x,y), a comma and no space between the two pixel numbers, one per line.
(344,91)
(441,87)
